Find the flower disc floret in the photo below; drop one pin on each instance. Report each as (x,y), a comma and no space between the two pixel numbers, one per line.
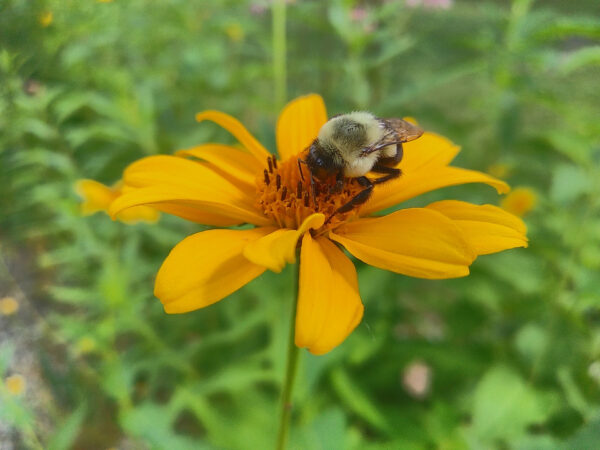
(286,194)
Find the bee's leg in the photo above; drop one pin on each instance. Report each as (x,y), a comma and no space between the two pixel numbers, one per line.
(313,190)
(367,150)
(339,184)
(391,161)
(300,162)
(358,199)
(391,173)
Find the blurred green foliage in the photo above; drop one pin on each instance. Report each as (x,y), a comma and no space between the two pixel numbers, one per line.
(513,349)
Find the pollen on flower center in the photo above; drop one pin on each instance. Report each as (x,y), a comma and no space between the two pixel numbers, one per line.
(285,195)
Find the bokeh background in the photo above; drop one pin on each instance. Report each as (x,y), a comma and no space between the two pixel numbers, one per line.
(507,358)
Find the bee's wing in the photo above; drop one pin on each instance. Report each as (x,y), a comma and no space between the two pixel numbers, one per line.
(403,131)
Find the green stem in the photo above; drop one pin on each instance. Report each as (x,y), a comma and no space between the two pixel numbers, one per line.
(285,408)
(279,53)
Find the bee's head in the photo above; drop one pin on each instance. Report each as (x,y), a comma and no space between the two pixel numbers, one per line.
(323,161)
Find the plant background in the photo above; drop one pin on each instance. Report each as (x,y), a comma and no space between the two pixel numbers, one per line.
(513,350)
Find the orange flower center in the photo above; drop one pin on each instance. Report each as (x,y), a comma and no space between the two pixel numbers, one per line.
(284,193)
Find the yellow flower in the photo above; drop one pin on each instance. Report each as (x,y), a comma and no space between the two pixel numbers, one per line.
(46,19)
(85,345)
(15,384)
(8,306)
(520,201)
(235,32)
(221,185)
(98,197)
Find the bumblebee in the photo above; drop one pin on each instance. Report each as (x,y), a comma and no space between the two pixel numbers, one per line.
(352,145)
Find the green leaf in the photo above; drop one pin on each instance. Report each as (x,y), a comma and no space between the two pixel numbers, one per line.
(570,26)
(6,354)
(353,396)
(38,128)
(581,58)
(149,423)
(531,341)
(504,406)
(64,437)
(14,411)
(575,398)
(568,183)
(69,104)
(326,432)
(537,442)
(519,269)
(587,437)
(577,148)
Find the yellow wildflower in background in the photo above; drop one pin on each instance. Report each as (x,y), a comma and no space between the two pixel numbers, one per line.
(15,384)
(98,197)
(8,306)
(221,185)
(235,32)
(46,19)
(85,345)
(520,201)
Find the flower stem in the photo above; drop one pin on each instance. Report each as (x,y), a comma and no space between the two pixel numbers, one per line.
(285,408)
(279,53)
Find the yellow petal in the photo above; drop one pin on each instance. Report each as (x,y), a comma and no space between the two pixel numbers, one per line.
(238,130)
(171,170)
(196,214)
(174,199)
(329,305)
(277,249)
(96,196)
(411,184)
(429,150)
(139,214)
(417,242)
(237,163)
(487,228)
(299,123)
(206,267)
(172,180)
